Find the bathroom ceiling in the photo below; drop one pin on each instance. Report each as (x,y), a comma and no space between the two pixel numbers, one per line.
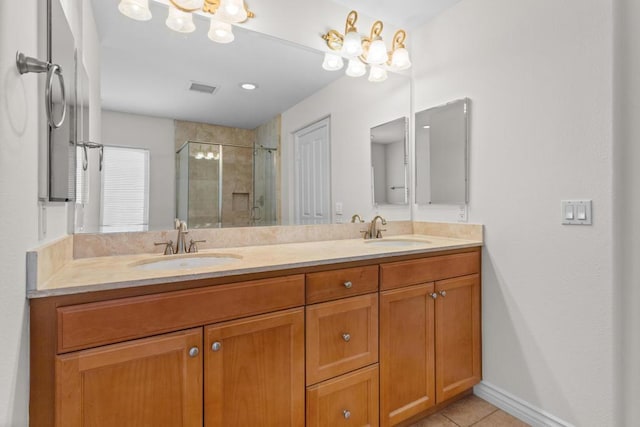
(147,69)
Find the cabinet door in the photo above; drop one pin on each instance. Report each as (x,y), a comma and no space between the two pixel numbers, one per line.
(458,348)
(407,384)
(254,371)
(148,382)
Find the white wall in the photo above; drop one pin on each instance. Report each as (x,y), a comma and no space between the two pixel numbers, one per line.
(355,106)
(19,97)
(158,136)
(627,205)
(21,100)
(539,75)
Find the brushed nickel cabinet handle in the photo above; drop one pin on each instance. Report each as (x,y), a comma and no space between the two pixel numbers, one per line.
(348,284)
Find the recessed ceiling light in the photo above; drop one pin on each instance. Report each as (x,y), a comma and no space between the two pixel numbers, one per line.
(248,86)
(426,127)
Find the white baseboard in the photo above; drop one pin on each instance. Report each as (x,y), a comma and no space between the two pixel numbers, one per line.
(517,407)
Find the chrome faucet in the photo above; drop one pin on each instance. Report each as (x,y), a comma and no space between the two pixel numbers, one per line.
(181,245)
(374,232)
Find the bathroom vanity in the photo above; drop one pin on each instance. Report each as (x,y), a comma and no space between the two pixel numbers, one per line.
(380,338)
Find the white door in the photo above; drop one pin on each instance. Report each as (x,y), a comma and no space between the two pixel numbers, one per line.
(313,174)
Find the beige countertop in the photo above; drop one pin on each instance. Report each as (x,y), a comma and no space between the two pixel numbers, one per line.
(115,272)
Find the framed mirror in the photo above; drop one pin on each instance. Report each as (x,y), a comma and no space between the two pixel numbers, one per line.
(441,154)
(389,163)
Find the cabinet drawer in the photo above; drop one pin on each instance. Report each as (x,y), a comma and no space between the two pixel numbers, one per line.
(98,323)
(341,336)
(349,400)
(336,284)
(405,273)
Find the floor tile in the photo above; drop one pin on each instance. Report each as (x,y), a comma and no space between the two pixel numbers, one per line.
(468,411)
(435,420)
(500,419)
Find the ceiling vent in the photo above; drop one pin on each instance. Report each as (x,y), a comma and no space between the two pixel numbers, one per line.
(201,87)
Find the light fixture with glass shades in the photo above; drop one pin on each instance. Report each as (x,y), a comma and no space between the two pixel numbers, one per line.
(362,51)
(222,14)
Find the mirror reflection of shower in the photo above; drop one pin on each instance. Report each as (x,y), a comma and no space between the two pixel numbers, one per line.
(225,185)
(265,165)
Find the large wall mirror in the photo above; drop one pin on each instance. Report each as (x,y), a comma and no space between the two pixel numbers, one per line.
(441,154)
(389,163)
(217,154)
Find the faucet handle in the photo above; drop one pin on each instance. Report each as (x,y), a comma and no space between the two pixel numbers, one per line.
(193,245)
(168,247)
(379,233)
(366,234)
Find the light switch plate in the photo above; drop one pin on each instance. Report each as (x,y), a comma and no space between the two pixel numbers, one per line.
(338,208)
(576,212)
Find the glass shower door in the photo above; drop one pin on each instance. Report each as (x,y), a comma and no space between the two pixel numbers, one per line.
(265,166)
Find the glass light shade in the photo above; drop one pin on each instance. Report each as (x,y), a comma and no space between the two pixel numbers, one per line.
(220,32)
(377,74)
(400,59)
(135,9)
(377,53)
(180,21)
(356,68)
(352,45)
(332,62)
(232,11)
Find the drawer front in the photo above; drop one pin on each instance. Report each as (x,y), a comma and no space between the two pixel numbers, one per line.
(406,273)
(336,284)
(99,323)
(341,336)
(349,400)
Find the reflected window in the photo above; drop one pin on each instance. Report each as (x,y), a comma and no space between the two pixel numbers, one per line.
(125,190)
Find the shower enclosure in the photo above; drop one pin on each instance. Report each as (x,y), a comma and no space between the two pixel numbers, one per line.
(225,185)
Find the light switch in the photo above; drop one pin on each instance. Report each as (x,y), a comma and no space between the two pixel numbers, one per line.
(576,212)
(568,212)
(338,208)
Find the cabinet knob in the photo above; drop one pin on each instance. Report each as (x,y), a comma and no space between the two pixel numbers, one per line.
(194,351)
(443,293)
(434,295)
(346,337)
(216,346)
(347,414)
(348,284)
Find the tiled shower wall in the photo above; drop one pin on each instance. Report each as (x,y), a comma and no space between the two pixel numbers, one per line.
(237,167)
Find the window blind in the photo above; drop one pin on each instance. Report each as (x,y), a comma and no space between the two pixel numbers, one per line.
(125,189)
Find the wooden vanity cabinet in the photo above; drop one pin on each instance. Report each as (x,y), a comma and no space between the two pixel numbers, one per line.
(429,333)
(371,343)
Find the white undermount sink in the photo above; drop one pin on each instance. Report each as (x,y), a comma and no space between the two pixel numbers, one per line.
(179,262)
(405,242)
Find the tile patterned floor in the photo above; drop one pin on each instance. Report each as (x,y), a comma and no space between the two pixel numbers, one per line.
(471,411)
